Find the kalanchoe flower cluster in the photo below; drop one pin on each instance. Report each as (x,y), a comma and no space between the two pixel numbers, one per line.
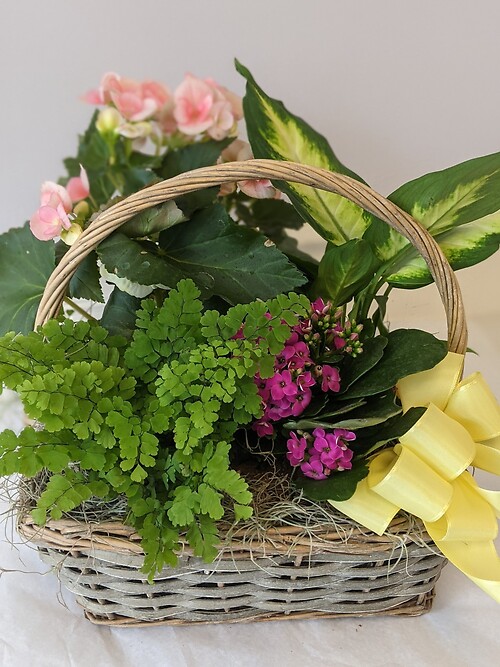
(320,453)
(289,391)
(326,332)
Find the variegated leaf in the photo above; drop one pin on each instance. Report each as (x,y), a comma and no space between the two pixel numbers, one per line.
(277,134)
(463,246)
(442,201)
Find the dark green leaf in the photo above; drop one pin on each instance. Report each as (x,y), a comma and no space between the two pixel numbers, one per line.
(338,486)
(135,178)
(374,412)
(137,262)
(273,215)
(370,439)
(354,368)
(120,313)
(153,220)
(345,270)
(25,266)
(228,260)
(85,283)
(408,351)
(202,154)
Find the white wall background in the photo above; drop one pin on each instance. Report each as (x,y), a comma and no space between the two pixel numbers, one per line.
(400,88)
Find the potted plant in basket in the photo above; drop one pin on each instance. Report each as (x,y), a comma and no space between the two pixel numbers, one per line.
(197,346)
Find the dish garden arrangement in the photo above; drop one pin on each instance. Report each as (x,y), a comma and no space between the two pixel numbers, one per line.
(222,427)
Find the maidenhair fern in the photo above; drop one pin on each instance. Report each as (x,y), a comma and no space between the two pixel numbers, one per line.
(153,421)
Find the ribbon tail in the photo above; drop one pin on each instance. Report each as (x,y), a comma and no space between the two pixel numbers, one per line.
(477,560)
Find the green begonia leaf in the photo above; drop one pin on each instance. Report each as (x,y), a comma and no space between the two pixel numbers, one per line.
(120,313)
(228,260)
(25,266)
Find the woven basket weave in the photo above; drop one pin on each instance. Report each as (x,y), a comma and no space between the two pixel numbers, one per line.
(282,574)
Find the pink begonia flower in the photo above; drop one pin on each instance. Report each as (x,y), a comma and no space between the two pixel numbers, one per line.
(49,220)
(135,100)
(102,95)
(166,119)
(52,194)
(222,120)
(194,100)
(237,151)
(234,100)
(261,188)
(330,378)
(78,187)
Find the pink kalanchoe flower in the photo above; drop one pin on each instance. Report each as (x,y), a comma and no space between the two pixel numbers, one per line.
(330,378)
(296,449)
(301,356)
(263,428)
(313,468)
(283,386)
(319,307)
(194,100)
(284,357)
(301,402)
(332,448)
(78,187)
(305,380)
(279,410)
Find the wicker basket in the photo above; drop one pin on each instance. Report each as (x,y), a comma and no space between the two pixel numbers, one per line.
(281,575)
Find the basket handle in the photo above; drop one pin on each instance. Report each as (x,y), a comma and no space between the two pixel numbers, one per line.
(359,193)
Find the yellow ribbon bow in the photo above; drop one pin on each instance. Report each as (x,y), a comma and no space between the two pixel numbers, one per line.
(426,474)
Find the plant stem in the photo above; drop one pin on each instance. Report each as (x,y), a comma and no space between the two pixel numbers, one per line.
(79,309)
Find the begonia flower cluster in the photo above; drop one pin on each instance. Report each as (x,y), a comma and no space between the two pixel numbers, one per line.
(138,109)
(56,214)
